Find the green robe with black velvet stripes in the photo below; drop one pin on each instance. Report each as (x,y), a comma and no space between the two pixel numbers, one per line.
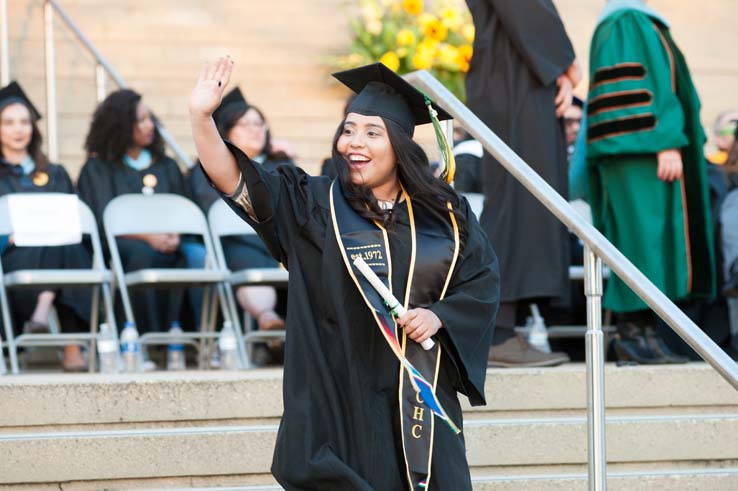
(641,101)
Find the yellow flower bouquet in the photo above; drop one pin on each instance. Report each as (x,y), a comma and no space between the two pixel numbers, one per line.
(409,35)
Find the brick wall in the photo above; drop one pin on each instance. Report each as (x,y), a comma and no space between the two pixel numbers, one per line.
(280,48)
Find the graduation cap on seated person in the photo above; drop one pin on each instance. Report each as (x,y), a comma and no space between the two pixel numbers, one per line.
(381,92)
(13,93)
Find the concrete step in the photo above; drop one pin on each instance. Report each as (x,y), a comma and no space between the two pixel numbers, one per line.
(185,429)
(95,399)
(247,449)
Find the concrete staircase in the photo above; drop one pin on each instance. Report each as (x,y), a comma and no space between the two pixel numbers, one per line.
(669,427)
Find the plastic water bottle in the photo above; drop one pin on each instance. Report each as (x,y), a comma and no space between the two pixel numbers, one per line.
(130,349)
(175,350)
(537,333)
(107,349)
(228,347)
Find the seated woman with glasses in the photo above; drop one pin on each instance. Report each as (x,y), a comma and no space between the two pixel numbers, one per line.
(246,127)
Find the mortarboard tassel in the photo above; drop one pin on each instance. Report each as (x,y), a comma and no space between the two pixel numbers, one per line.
(449,163)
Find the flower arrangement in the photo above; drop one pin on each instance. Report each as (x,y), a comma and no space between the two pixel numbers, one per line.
(409,35)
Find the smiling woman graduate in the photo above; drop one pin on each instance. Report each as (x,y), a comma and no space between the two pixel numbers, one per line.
(352,417)
(25,169)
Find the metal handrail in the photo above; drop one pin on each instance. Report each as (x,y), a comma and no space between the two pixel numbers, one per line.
(597,247)
(103,66)
(557,205)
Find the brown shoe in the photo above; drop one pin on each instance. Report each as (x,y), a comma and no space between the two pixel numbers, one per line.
(73,360)
(517,352)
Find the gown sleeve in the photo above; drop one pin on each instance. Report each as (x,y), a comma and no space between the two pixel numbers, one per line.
(283,201)
(200,190)
(632,106)
(469,309)
(538,35)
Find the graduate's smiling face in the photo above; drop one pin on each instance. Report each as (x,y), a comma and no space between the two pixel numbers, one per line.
(16,128)
(144,129)
(365,145)
(249,133)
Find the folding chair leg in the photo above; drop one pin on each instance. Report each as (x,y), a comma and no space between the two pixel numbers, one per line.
(8,323)
(232,307)
(109,307)
(94,319)
(3,368)
(203,349)
(213,321)
(229,315)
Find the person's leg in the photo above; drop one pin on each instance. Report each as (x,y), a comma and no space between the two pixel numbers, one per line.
(259,302)
(40,315)
(73,360)
(510,349)
(151,307)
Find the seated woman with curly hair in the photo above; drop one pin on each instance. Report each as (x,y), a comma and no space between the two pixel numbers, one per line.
(125,154)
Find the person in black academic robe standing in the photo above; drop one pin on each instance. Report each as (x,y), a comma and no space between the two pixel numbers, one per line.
(519,84)
(351,417)
(126,155)
(25,169)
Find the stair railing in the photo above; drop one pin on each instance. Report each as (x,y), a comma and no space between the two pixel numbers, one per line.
(103,69)
(597,248)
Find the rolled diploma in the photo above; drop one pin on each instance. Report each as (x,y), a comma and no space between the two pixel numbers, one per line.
(386,295)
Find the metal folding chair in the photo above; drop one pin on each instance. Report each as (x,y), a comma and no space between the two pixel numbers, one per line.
(224,222)
(167,213)
(97,277)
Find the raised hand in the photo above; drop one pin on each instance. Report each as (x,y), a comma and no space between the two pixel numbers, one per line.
(208,91)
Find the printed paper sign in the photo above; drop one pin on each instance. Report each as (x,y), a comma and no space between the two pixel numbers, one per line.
(45,219)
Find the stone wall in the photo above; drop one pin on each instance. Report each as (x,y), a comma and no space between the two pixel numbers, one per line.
(281,49)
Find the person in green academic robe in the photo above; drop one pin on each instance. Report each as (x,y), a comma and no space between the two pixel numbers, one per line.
(345,424)
(648,180)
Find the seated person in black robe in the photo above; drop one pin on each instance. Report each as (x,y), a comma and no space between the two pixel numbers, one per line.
(25,169)
(125,154)
(349,421)
(246,127)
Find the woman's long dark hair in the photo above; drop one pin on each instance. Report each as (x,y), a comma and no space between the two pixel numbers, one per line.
(34,146)
(413,169)
(111,129)
(229,118)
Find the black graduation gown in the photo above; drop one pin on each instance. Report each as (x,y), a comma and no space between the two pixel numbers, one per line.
(72,304)
(519,52)
(340,427)
(99,182)
(241,252)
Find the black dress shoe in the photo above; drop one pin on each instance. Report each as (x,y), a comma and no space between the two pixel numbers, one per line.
(658,347)
(630,345)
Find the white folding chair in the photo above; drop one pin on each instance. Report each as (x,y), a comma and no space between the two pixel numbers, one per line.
(223,223)
(97,277)
(166,213)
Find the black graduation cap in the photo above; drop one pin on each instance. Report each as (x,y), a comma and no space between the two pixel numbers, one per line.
(381,92)
(233,97)
(13,93)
